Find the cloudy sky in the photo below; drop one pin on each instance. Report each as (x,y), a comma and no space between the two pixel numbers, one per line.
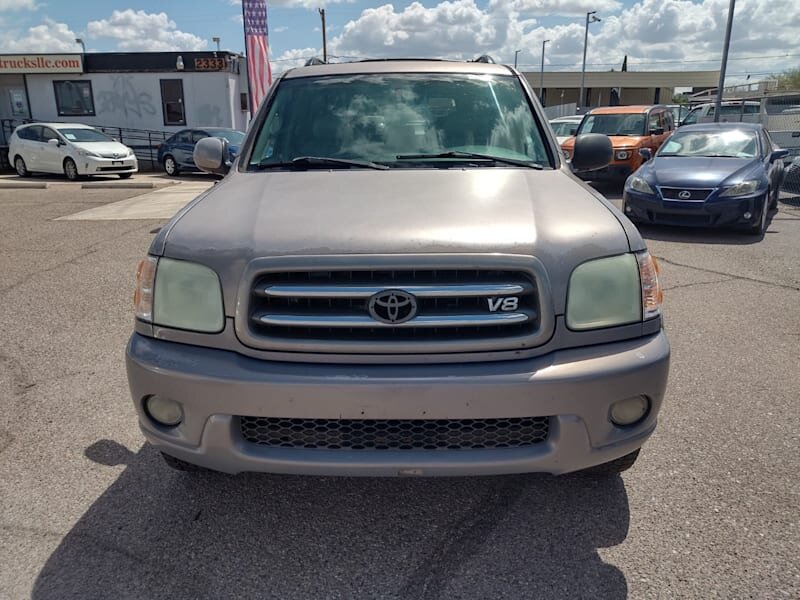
(655,34)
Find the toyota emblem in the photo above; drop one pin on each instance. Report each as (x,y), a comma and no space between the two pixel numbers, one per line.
(393,306)
(684,195)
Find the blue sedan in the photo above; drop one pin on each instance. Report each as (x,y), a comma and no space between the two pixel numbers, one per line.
(176,154)
(712,174)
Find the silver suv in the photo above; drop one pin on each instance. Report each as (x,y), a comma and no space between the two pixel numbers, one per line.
(399,276)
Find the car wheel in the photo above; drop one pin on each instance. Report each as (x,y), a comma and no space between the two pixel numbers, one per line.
(181,465)
(71,169)
(773,198)
(21,168)
(760,227)
(615,466)
(171,167)
(125,175)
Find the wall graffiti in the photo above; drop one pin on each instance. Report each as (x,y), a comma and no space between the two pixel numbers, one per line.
(123,97)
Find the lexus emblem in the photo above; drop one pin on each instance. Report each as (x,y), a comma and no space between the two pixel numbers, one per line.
(684,195)
(393,306)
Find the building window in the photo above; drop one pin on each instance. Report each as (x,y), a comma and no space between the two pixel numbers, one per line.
(172,102)
(74,98)
(243,101)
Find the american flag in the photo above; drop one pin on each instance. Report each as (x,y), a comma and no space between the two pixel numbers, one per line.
(256,41)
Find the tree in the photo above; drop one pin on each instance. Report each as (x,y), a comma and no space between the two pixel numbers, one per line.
(680,99)
(788,80)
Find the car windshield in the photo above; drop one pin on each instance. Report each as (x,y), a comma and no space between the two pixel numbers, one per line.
(563,128)
(734,143)
(85,135)
(400,120)
(620,124)
(234,137)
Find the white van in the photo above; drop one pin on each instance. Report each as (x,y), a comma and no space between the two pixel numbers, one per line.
(736,111)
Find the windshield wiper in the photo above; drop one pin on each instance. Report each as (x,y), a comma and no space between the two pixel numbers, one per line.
(301,162)
(460,154)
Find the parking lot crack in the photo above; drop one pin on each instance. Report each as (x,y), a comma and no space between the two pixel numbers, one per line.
(697,283)
(729,276)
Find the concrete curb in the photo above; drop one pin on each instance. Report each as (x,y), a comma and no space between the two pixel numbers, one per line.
(132,185)
(24,185)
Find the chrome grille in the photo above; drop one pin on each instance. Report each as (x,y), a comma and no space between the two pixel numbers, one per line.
(332,306)
(406,434)
(695,194)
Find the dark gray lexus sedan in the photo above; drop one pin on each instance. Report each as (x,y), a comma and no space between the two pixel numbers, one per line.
(399,276)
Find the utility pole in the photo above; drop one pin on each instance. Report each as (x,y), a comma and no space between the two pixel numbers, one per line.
(541,76)
(724,65)
(516,54)
(594,18)
(324,36)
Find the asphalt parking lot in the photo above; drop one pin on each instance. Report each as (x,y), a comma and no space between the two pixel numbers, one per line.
(87,510)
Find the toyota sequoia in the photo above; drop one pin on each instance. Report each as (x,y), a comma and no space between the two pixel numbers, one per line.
(399,276)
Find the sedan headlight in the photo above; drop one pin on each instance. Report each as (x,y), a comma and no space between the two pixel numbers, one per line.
(180,294)
(640,185)
(622,154)
(741,189)
(613,291)
(88,153)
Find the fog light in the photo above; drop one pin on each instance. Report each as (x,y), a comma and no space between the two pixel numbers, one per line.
(163,411)
(629,411)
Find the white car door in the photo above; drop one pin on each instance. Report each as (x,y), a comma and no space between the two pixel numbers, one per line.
(52,154)
(30,138)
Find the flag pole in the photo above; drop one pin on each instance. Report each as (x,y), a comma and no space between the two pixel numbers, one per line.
(249,87)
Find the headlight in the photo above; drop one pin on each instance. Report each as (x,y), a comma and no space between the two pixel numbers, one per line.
(613,291)
(180,294)
(88,153)
(622,154)
(741,189)
(640,185)
(130,153)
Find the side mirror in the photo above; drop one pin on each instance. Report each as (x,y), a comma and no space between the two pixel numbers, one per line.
(657,131)
(646,153)
(211,155)
(54,141)
(592,151)
(776,154)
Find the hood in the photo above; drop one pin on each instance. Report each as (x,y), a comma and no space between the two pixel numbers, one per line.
(677,171)
(617,141)
(102,148)
(546,214)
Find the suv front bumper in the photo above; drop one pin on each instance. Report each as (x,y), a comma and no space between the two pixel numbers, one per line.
(575,387)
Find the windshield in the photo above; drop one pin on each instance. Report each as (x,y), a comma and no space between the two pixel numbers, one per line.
(620,124)
(563,128)
(234,137)
(85,135)
(734,143)
(400,120)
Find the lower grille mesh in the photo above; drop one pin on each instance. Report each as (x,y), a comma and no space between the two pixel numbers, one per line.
(408,434)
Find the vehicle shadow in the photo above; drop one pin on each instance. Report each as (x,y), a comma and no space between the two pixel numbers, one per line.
(703,235)
(158,533)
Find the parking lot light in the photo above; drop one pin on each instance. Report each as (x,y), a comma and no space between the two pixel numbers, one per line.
(591,17)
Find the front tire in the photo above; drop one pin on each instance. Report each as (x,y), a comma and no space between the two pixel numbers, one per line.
(21,168)
(614,467)
(71,170)
(171,167)
(181,465)
(761,227)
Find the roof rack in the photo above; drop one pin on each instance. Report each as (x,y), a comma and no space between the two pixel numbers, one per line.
(314,60)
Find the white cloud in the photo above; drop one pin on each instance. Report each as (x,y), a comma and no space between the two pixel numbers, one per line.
(138,30)
(47,37)
(280,29)
(655,34)
(17,5)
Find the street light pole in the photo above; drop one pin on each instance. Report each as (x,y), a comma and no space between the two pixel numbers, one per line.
(216,40)
(541,76)
(724,65)
(590,18)
(516,53)
(83,46)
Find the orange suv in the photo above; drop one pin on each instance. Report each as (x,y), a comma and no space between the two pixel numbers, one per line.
(630,128)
